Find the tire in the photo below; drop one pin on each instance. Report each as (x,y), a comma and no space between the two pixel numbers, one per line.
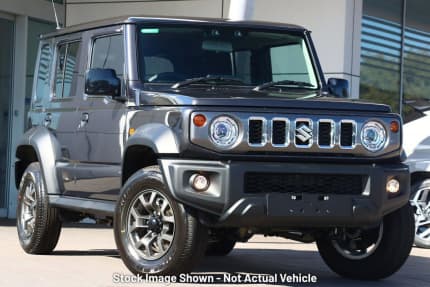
(220,247)
(38,224)
(392,248)
(141,216)
(420,200)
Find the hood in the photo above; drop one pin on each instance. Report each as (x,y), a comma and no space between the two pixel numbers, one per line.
(241,97)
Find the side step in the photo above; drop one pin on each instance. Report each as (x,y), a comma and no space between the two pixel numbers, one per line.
(84,205)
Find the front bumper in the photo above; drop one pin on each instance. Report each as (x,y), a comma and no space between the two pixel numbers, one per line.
(229,204)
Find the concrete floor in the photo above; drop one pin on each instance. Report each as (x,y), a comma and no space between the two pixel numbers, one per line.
(87,257)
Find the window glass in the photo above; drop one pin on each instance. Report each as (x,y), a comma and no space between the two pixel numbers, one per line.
(59,71)
(70,70)
(35,29)
(416,78)
(108,53)
(290,63)
(66,69)
(43,73)
(251,56)
(381,52)
(242,60)
(7,33)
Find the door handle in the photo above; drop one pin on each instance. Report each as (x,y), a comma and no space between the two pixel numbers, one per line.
(48,119)
(84,120)
(85,117)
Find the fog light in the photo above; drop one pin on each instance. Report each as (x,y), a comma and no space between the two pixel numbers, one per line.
(199,182)
(393,186)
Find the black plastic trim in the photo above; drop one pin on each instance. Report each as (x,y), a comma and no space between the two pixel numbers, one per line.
(83,205)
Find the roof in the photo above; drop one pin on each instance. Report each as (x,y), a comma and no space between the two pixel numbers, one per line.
(171,20)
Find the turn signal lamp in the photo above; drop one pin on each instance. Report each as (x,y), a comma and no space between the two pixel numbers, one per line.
(199,120)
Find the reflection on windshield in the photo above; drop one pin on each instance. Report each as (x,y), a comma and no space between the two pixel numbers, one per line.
(251,57)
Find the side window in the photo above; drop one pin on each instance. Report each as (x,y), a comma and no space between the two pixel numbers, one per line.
(108,53)
(59,70)
(44,73)
(66,69)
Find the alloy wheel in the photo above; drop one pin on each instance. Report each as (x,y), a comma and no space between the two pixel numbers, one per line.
(421,204)
(28,206)
(150,225)
(357,244)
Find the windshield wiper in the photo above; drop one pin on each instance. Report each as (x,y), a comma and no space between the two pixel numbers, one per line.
(207,80)
(284,83)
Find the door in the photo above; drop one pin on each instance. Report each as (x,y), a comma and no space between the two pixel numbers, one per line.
(61,114)
(100,133)
(6,58)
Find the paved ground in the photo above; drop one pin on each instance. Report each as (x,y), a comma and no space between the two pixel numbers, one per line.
(87,257)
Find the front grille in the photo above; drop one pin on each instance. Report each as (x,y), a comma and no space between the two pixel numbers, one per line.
(279,132)
(302,132)
(304,183)
(325,136)
(255,132)
(346,134)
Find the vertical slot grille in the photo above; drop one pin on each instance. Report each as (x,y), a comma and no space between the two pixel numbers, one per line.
(279,132)
(346,134)
(325,134)
(255,132)
(302,133)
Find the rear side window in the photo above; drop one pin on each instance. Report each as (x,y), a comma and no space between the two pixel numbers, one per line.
(66,69)
(44,73)
(108,53)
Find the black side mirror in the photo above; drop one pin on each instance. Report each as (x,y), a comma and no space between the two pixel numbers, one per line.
(338,87)
(102,82)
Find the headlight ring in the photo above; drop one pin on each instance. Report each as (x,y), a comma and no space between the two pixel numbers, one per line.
(373,136)
(224,132)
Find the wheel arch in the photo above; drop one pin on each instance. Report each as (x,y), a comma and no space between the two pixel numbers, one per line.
(137,157)
(144,147)
(26,154)
(38,144)
(419,176)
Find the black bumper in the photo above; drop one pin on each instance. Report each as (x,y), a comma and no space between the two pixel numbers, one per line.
(231,204)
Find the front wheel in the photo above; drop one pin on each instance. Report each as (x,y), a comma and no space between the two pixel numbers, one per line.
(154,233)
(370,254)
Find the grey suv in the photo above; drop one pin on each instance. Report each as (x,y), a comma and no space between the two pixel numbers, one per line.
(189,135)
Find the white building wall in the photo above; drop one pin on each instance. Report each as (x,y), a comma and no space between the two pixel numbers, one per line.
(90,10)
(40,9)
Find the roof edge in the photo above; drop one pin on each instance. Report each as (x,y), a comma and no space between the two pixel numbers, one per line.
(163,19)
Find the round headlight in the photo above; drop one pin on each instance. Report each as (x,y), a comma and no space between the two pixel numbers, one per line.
(373,136)
(224,132)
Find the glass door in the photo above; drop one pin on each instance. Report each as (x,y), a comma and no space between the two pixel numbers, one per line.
(6,73)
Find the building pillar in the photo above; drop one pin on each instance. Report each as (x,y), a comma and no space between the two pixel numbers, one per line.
(17,106)
(241,10)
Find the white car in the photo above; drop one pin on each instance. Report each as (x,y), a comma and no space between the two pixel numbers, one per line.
(416,143)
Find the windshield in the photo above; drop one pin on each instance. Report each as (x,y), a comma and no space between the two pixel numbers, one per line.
(244,56)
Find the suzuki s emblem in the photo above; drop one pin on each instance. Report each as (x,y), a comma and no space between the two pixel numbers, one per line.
(303,132)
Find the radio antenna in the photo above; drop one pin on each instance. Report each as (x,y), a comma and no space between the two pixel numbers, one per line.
(55,14)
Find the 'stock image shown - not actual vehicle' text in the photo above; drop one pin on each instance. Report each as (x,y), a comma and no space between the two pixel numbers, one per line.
(190,135)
